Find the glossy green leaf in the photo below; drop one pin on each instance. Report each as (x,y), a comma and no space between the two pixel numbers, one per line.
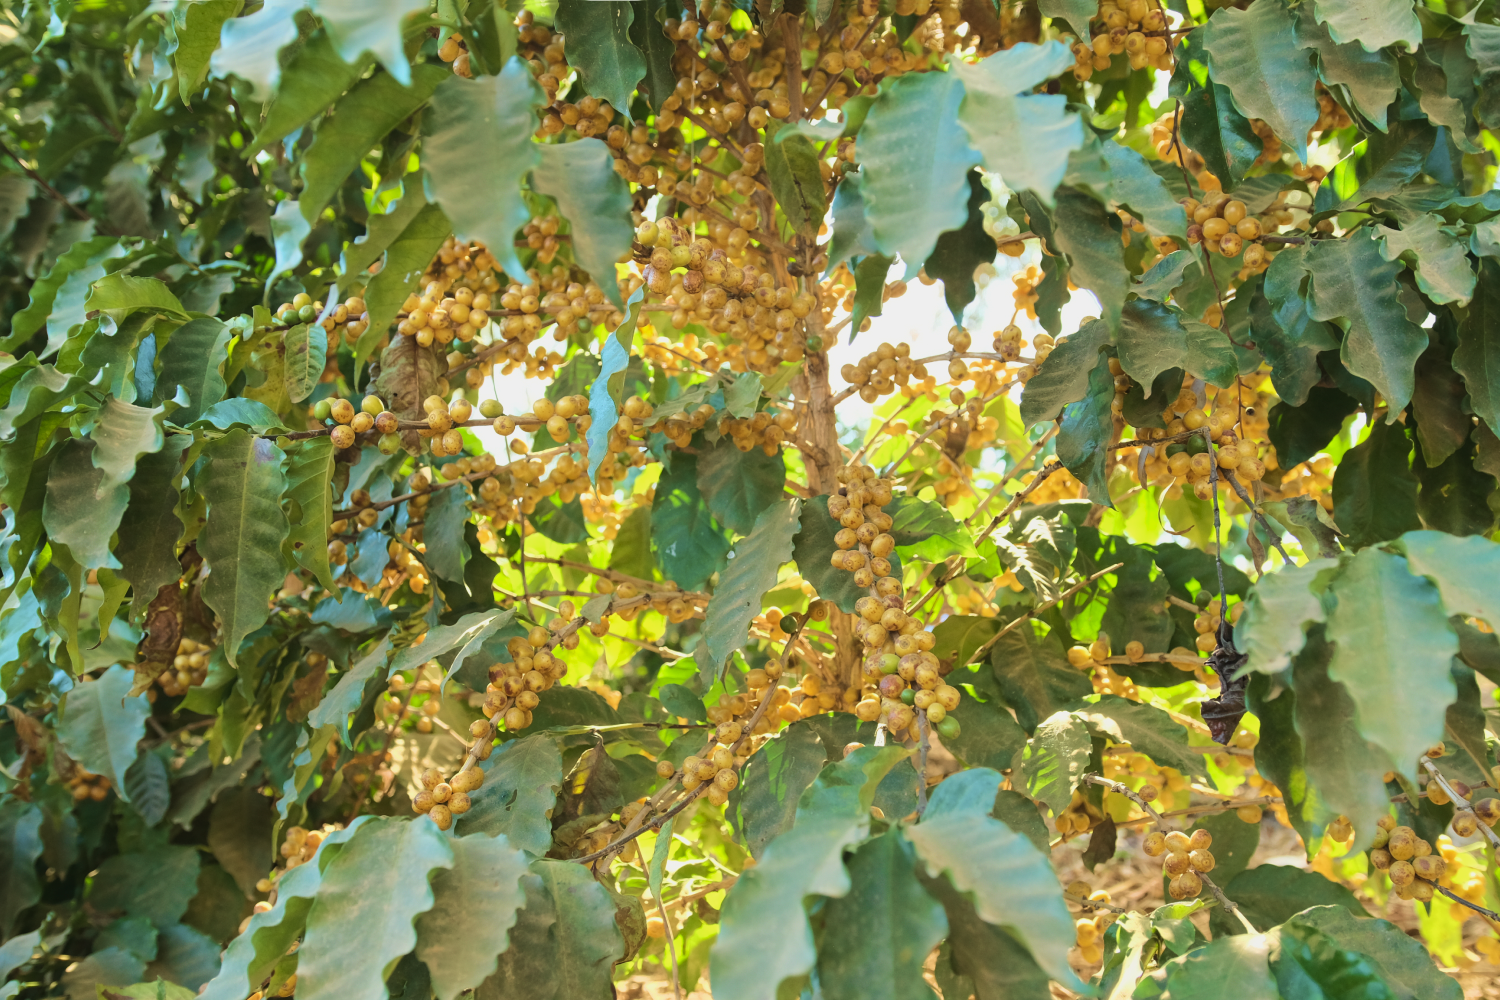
(648,35)
(1460,567)
(360,923)
(689,543)
(82,508)
(614,359)
(242,481)
(1085,431)
(249,45)
(118,295)
(926,529)
(795,180)
(764,936)
(852,235)
(1090,236)
(309,477)
(375,26)
(1135,186)
(240,831)
(1374,24)
(85,258)
(196,28)
(1477,356)
(360,120)
(406,259)
(1153,339)
(751,572)
(609,66)
(1272,894)
(1253,53)
(1374,489)
(594,199)
(1403,963)
(306,352)
(478,148)
(1229,966)
(631,553)
(1352,281)
(520,788)
(738,485)
(474,907)
(149,528)
(1308,963)
(1010,882)
(996,104)
(314,78)
(1278,613)
(582,940)
(915,160)
(1064,377)
(1391,633)
(959,251)
(1370,76)
(774,779)
(20,847)
(1437,259)
(191,360)
(156,884)
(146,785)
(1034,676)
(100,725)
(877,937)
(1056,759)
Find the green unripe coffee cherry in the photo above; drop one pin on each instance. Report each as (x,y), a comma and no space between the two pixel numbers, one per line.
(890,663)
(389,444)
(490,409)
(307,313)
(949,728)
(908,696)
(815,343)
(373,406)
(322,409)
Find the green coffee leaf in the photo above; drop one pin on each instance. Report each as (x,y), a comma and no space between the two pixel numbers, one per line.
(1391,633)
(1085,431)
(774,779)
(1064,377)
(1477,357)
(812,549)
(879,935)
(1135,186)
(1278,613)
(1057,757)
(1437,259)
(744,582)
(1232,965)
(374,26)
(118,295)
(100,725)
(852,234)
(738,485)
(1254,54)
(1090,236)
(1374,489)
(609,65)
(997,104)
(360,923)
(196,28)
(1460,567)
(314,78)
(474,907)
(594,199)
(1153,339)
(795,180)
(690,545)
(764,936)
(191,360)
(521,783)
(1374,25)
(20,846)
(85,259)
(306,354)
(156,884)
(83,508)
(1010,882)
(1402,962)
(915,160)
(242,481)
(249,46)
(631,553)
(478,148)
(1352,281)
(1273,894)
(406,258)
(1147,729)
(146,783)
(565,940)
(995,965)
(1307,960)
(925,529)
(1034,676)
(958,252)
(309,477)
(1370,76)
(360,120)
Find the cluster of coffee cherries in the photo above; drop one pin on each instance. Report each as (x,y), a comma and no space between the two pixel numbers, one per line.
(442,800)
(1137,29)
(189,669)
(863,541)
(85,784)
(1407,859)
(456,51)
(718,767)
(515,686)
(303,308)
(425,684)
(438,318)
(299,845)
(1206,622)
(1089,930)
(557,416)
(766,430)
(880,372)
(347,423)
(1224,226)
(1184,858)
(907,677)
(1078,817)
(624,446)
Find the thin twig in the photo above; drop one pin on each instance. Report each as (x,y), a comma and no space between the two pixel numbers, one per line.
(1228,904)
(1095,904)
(1459,801)
(1125,790)
(1270,531)
(1482,911)
(52,192)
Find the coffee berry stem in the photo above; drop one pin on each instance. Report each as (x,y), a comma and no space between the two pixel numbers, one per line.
(1095,904)
(1459,801)
(1488,914)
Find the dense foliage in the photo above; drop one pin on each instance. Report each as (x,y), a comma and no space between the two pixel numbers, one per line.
(335,662)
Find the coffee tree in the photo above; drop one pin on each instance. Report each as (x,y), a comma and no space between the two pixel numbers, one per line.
(335,663)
